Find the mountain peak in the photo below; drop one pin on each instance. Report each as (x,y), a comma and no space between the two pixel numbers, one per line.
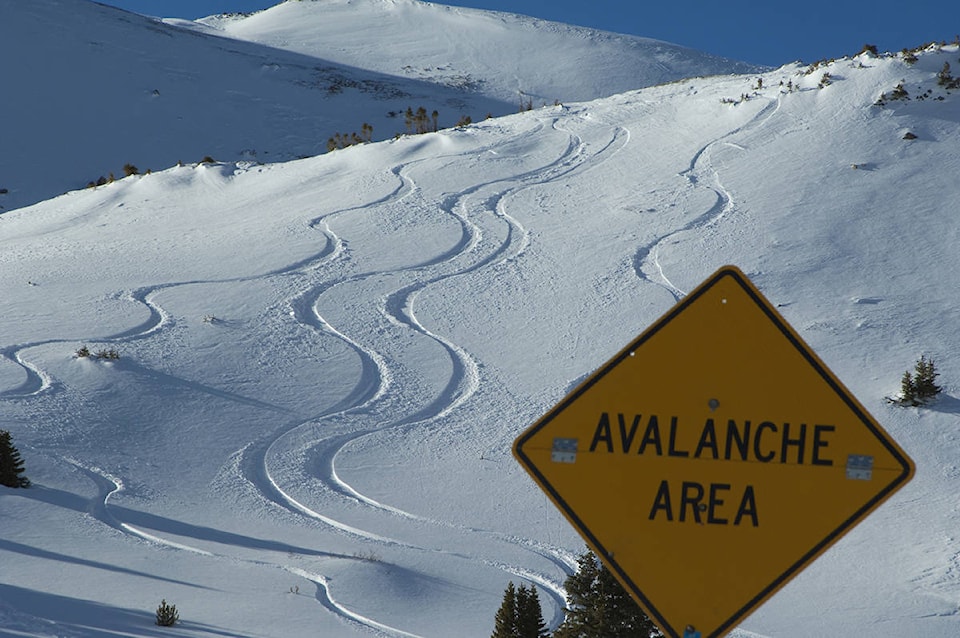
(279,83)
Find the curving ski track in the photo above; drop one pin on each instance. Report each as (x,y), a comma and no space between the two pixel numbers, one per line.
(482,211)
(473,210)
(99,508)
(700,173)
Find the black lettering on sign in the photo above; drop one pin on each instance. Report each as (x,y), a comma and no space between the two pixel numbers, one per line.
(760,456)
(602,434)
(734,436)
(788,443)
(716,502)
(748,507)
(627,439)
(767,442)
(651,436)
(662,502)
(697,500)
(692,494)
(673,451)
(708,441)
(819,443)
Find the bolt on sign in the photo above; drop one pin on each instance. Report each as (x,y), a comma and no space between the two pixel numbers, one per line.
(712,459)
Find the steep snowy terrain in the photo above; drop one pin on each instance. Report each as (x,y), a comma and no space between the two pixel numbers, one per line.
(506,56)
(95,88)
(323,363)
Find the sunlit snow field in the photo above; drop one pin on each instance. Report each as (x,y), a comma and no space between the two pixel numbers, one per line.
(324,362)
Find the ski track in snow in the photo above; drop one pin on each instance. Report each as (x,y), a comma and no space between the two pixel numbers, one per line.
(398,308)
(482,206)
(99,508)
(325,598)
(699,171)
(38,380)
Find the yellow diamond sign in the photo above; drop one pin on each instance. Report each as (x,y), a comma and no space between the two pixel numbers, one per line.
(712,459)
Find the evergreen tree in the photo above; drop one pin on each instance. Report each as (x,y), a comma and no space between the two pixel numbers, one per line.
(529,614)
(504,623)
(908,389)
(943,77)
(924,379)
(11,465)
(917,388)
(420,119)
(520,614)
(599,607)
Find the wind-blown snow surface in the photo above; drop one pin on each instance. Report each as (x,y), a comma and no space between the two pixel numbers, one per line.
(94,88)
(323,363)
(504,55)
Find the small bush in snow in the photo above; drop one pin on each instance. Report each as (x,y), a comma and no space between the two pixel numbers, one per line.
(369,557)
(816,65)
(83,352)
(418,122)
(899,93)
(339,141)
(130,169)
(525,104)
(920,386)
(945,80)
(110,354)
(167,615)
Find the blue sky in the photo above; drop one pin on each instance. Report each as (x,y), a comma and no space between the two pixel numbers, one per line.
(763,33)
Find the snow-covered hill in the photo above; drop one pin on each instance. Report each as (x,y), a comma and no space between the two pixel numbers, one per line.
(323,363)
(506,56)
(92,88)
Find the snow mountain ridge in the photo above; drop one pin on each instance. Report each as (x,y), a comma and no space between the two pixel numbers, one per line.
(103,88)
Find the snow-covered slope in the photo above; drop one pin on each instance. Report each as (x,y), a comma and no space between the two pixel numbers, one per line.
(323,363)
(95,88)
(91,88)
(507,56)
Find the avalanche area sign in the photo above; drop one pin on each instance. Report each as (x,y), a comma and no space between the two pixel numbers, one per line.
(712,459)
